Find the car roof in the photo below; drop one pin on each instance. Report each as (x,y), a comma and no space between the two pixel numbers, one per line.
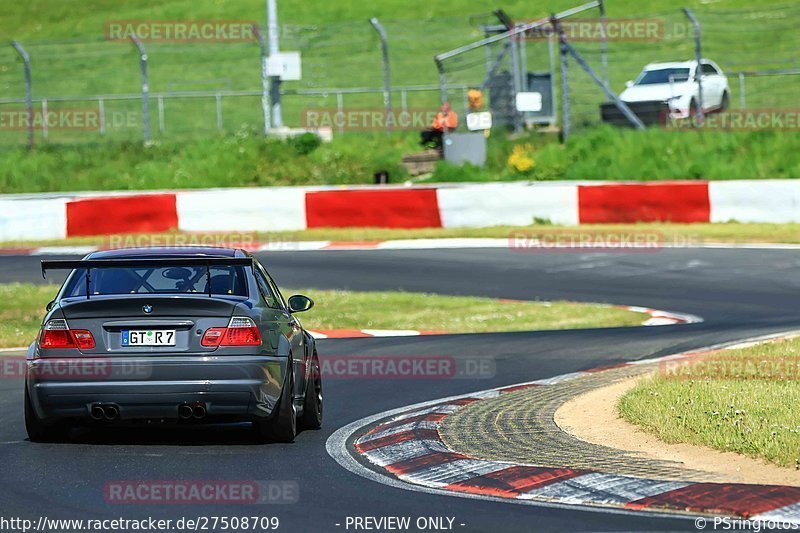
(165,251)
(691,63)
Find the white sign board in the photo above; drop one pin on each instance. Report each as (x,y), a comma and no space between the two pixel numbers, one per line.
(529,102)
(285,65)
(479,121)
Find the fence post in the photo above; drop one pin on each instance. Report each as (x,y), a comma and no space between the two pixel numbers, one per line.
(515,81)
(264,79)
(44,118)
(604,42)
(523,60)
(741,90)
(698,54)
(101,108)
(219,112)
(340,110)
(26,61)
(145,87)
(565,125)
(387,82)
(442,80)
(161,125)
(275,86)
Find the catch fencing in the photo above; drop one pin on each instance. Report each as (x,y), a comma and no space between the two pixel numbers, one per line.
(94,85)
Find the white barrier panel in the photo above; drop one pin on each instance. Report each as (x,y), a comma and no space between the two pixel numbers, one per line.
(755,200)
(507,204)
(33,219)
(261,209)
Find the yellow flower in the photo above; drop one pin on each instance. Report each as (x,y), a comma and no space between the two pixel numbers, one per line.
(521,158)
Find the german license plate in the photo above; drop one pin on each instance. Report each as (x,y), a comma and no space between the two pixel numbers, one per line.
(148,337)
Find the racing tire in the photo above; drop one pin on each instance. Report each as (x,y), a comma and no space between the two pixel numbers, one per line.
(312,403)
(38,430)
(282,425)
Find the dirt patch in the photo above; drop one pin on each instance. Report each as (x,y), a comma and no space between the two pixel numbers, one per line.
(592,417)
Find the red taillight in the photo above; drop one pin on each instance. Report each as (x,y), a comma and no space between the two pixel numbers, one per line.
(241,331)
(56,334)
(83,338)
(248,336)
(213,336)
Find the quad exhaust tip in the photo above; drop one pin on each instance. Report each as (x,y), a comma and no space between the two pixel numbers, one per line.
(104,412)
(196,411)
(97,412)
(185,411)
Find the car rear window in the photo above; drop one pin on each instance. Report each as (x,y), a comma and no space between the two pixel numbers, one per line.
(167,280)
(652,77)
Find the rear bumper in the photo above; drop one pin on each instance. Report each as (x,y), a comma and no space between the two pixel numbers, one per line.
(232,387)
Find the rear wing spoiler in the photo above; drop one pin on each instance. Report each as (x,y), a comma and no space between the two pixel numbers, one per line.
(154,262)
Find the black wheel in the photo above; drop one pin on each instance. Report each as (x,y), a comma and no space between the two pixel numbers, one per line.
(312,403)
(38,430)
(282,426)
(726,101)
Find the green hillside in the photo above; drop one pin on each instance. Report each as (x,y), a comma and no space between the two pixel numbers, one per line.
(72,58)
(73,63)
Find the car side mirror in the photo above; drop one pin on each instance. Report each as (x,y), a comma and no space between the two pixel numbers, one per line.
(629,84)
(50,305)
(299,303)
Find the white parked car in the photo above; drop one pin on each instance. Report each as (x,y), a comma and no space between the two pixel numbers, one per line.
(676,83)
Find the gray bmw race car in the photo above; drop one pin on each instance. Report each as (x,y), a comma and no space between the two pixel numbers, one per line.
(183,335)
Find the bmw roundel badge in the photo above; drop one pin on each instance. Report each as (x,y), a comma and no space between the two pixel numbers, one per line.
(147,308)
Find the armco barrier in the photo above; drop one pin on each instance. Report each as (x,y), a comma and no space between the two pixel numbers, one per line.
(54,216)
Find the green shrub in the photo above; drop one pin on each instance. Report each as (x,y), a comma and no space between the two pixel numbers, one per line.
(304,143)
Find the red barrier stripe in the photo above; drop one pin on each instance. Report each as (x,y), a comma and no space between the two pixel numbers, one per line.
(669,202)
(462,401)
(412,208)
(424,461)
(122,214)
(739,499)
(397,438)
(514,480)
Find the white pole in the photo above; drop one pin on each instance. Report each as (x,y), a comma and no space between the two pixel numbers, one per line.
(272,31)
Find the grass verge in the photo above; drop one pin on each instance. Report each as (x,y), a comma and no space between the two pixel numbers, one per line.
(21,311)
(741,400)
(457,314)
(22,306)
(679,234)
(247,159)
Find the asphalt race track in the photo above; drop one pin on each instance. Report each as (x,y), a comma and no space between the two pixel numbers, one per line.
(739,292)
